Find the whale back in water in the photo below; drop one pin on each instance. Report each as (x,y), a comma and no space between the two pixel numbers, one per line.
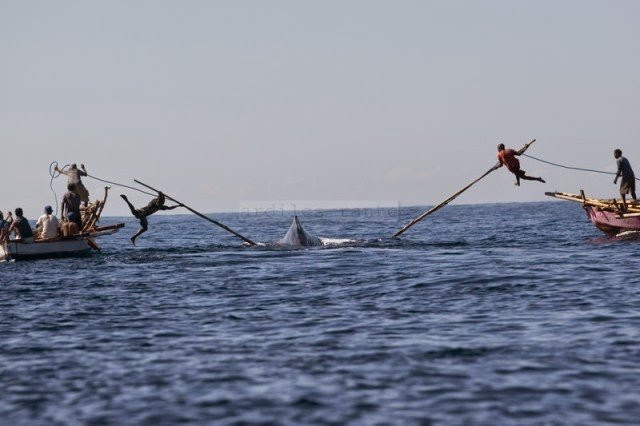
(297,236)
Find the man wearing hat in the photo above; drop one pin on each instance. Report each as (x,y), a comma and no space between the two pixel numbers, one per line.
(47,224)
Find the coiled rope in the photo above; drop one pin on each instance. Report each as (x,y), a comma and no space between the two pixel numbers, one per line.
(570,167)
(54,174)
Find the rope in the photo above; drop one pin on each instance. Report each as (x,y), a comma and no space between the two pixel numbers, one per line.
(122,185)
(570,167)
(52,172)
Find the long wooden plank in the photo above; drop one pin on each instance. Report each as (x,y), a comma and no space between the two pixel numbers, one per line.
(626,215)
(595,202)
(578,199)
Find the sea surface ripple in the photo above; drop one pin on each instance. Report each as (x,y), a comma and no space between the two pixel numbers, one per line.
(489,314)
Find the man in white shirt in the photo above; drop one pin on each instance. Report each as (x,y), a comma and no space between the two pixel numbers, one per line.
(48,224)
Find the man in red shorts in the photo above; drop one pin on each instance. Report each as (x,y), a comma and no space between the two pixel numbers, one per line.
(508,158)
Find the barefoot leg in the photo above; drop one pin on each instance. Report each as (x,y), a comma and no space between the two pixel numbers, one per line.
(131,206)
(144,225)
(539,179)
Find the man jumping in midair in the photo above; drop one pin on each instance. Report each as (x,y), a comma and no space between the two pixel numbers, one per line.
(142,214)
(508,158)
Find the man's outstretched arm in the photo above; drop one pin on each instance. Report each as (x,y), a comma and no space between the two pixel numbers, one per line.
(171,207)
(61,171)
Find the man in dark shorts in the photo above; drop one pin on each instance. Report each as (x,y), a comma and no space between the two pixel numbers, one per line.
(71,203)
(508,158)
(628,182)
(142,213)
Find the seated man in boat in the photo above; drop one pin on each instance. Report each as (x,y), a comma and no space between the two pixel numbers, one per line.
(70,227)
(4,227)
(508,158)
(142,213)
(75,178)
(47,224)
(21,228)
(628,182)
(71,203)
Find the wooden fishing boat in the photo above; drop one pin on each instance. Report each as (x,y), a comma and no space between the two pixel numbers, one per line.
(76,245)
(608,215)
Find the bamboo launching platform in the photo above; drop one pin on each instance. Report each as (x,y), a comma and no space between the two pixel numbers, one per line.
(611,216)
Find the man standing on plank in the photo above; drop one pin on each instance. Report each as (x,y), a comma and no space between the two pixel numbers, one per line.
(141,214)
(508,158)
(628,182)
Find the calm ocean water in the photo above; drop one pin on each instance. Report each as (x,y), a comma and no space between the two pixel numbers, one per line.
(491,314)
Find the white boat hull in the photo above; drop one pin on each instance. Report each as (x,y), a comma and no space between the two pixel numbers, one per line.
(41,249)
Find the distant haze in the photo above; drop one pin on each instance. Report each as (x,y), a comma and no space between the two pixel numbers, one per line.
(228,103)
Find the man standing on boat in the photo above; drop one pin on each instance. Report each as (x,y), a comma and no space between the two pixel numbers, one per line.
(75,178)
(71,203)
(142,213)
(628,182)
(508,158)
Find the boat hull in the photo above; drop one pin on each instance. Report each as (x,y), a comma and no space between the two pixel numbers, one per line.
(609,222)
(44,249)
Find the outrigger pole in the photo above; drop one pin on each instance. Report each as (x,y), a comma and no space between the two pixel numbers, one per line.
(454,196)
(221,225)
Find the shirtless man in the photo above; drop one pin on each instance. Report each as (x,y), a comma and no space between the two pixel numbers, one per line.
(20,226)
(508,158)
(142,213)
(69,227)
(71,203)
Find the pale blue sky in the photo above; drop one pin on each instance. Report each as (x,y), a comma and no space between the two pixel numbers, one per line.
(228,103)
